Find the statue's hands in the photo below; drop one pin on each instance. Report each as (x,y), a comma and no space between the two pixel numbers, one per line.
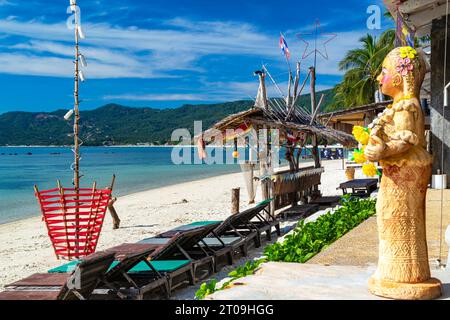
(374,150)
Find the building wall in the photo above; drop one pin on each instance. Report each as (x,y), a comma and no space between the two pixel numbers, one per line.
(439,135)
(345,127)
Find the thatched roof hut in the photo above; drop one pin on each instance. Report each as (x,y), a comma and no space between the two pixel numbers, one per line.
(298,122)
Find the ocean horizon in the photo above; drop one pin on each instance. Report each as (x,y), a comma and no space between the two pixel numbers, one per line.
(136,169)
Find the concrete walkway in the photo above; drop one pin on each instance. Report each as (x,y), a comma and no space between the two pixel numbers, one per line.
(292,281)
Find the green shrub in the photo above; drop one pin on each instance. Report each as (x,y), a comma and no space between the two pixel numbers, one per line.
(242,271)
(206,289)
(306,241)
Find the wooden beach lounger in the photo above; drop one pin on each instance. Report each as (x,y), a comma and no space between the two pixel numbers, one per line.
(234,235)
(162,262)
(77,285)
(251,221)
(265,220)
(218,246)
(124,277)
(188,245)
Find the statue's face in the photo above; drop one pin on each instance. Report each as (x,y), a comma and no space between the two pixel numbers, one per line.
(399,72)
(391,82)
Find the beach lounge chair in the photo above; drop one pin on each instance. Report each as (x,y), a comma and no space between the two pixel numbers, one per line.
(232,236)
(250,221)
(124,277)
(188,246)
(77,285)
(212,243)
(265,221)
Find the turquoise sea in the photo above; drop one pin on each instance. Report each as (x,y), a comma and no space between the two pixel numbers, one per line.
(136,168)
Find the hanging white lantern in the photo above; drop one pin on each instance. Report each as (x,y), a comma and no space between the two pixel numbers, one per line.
(83,60)
(82,78)
(81,33)
(69,115)
(73,6)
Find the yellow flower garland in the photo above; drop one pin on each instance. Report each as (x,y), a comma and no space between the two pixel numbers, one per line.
(360,158)
(370,170)
(362,135)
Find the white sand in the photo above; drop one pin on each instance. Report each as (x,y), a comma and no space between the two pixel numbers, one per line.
(25,248)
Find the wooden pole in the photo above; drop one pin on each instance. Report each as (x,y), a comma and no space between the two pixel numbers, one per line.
(114,215)
(289,96)
(262,83)
(252,182)
(263,157)
(235,200)
(315,145)
(313,89)
(297,80)
(113,182)
(112,210)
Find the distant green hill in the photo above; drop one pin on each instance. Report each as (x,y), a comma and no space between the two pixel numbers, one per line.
(114,124)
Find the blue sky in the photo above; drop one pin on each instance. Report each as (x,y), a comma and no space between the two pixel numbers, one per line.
(163,53)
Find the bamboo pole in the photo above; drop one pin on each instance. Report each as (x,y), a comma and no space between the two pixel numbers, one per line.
(76,177)
(76,109)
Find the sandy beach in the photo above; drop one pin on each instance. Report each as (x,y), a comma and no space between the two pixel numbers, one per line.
(25,247)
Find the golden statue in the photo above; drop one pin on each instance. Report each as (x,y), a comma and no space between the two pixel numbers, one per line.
(397,142)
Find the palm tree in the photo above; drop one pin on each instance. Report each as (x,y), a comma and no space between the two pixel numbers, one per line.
(362,67)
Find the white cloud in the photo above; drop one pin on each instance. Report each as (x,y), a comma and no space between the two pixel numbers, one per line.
(178,45)
(150,53)
(142,52)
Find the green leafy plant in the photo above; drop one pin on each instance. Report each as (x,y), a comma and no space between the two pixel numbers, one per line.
(306,241)
(206,289)
(247,269)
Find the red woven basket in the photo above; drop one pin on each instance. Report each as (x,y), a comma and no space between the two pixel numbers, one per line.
(74,219)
